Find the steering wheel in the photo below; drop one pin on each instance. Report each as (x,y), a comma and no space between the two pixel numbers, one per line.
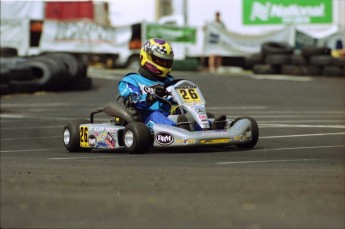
(166,85)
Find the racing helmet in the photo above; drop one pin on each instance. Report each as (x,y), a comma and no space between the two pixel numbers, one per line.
(157,56)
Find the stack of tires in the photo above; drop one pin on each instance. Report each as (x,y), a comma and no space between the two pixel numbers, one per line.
(279,58)
(51,71)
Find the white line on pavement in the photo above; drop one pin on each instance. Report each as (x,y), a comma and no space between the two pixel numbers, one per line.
(268,161)
(302,147)
(16,116)
(303,135)
(303,121)
(30,138)
(300,126)
(92,157)
(107,77)
(28,150)
(21,105)
(282,77)
(30,127)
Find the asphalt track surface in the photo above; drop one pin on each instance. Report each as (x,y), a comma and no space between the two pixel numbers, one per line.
(293,178)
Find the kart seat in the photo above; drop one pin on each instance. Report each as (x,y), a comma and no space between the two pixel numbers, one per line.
(129,105)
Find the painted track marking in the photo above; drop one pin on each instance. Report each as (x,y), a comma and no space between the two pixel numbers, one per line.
(302,135)
(29,150)
(300,126)
(275,161)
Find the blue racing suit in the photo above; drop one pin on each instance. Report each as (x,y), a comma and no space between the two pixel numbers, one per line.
(138,87)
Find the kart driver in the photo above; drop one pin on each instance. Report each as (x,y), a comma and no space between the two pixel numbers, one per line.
(156,59)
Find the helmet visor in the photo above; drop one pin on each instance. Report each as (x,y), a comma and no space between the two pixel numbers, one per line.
(162,62)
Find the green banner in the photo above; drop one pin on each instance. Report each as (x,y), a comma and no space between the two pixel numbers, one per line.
(177,34)
(268,12)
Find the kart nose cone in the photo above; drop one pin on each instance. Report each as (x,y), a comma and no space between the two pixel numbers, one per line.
(66,136)
(129,138)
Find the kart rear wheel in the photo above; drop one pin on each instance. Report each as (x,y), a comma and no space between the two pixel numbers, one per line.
(255,134)
(136,138)
(71,136)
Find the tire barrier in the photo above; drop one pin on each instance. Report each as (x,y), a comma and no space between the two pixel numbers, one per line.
(252,60)
(279,58)
(8,52)
(4,81)
(269,48)
(50,72)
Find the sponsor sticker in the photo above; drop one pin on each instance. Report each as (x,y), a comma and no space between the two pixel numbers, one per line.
(110,140)
(185,141)
(83,133)
(203,117)
(240,138)
(238,124)
(215,141)
(92,141)
(189,94)
(214,133)
(164,138)
(96,128)
(101,145)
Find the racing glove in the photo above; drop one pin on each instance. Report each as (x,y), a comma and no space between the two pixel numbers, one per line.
(159,91)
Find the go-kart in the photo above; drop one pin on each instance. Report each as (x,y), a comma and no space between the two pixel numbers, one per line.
(126,130)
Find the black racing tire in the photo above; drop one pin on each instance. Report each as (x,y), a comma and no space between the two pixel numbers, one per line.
(265,69)
(71,136)
(69,61)
(313,51)
(82,70)
(60,76)
(83,84)
(292,70)
(339,61)
(23,86)
(255,134)
(8,52)
(278,59)
(5,75)
(21,74)
(136,138)
(332,71)
(310,70)
(252,60)
(44,72)
(269,48)
(4,89)
(4,81)
(11,62)
(321,60)
(298,60)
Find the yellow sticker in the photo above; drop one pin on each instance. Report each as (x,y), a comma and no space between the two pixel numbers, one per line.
(189,94)
(84,140)
(215,141)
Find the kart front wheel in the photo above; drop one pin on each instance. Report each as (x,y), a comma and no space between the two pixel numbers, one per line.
(136,138)
(254,132)
(71,136)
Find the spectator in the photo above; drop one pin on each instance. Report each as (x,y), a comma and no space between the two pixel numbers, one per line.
(215,60)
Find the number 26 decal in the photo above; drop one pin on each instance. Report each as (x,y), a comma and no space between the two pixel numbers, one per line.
(83,134)
(189,94)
